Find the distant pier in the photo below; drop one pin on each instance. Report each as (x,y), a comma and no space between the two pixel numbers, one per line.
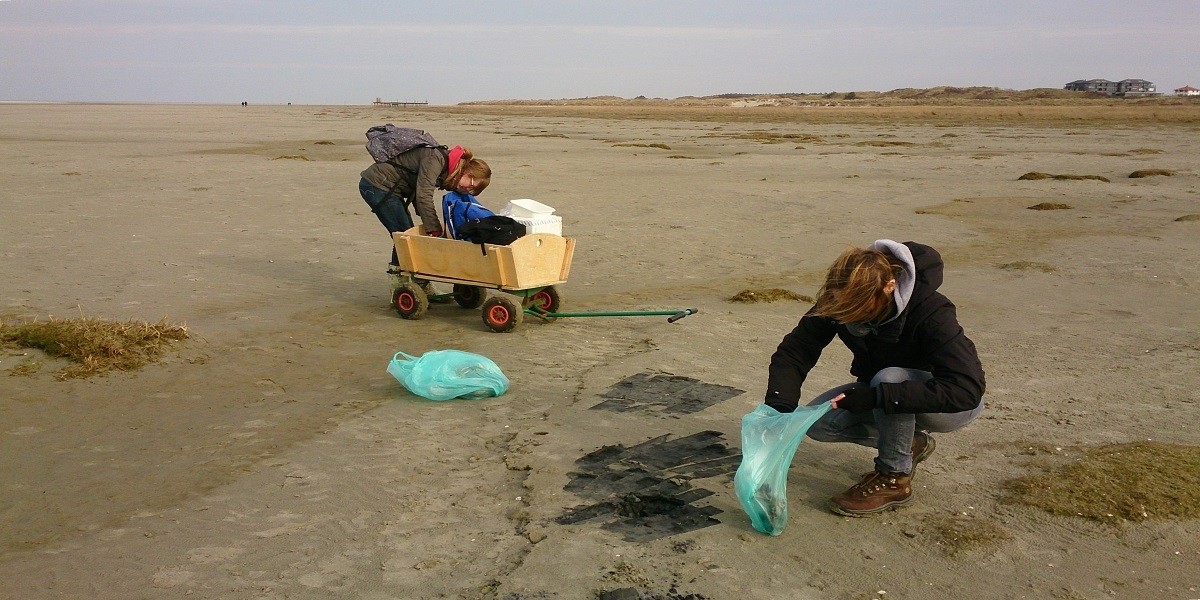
(382,102)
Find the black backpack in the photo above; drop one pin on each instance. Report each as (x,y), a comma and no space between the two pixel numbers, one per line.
(496,229)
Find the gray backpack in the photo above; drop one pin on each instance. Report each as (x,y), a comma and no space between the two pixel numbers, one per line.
(386,142)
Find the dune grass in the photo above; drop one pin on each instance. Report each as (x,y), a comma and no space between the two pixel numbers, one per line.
(958,534)
(1118,482)
(748,296)
(94,346)
(1049,206)
(1037,175)
(1151,173)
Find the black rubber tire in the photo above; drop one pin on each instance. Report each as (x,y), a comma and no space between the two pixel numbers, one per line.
(410,301)
(469,296)
(501,314)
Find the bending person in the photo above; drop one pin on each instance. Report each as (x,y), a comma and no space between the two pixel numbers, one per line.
(916,370)
(416,175)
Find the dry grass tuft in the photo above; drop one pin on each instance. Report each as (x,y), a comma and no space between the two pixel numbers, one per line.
(1024,265)
(962,533)
(748,296)
(884,143)
(25,369)
(1049,206)
(1118,482)
(770,137)
(542,135)
(94,345)
(633,145)
(1037,175)
(1150,173)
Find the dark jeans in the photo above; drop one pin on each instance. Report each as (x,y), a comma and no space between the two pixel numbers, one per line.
(389,208)
(891,435)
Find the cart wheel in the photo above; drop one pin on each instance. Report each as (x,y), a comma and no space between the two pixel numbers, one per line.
(410,300)
(501,314)
(546,300)
(469,296)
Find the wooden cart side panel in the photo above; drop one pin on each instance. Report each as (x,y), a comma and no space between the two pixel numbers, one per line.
(405,251)
(448,258)
(538,259)
(568,254)
(532,261)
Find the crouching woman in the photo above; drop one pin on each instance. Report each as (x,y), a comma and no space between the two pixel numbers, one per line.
(915,369)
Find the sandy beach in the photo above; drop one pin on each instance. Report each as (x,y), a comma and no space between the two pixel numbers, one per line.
(271,456)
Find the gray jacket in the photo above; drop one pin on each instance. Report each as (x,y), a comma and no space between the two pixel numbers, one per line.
(416,175)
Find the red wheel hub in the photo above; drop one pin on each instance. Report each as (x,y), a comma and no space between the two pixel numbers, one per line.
(499,314)
(405,301)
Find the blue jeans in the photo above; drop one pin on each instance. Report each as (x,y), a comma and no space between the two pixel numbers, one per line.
(891,435)
(389,208)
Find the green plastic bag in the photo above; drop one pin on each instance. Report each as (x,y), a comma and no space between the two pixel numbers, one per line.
(769,442)
(447,374)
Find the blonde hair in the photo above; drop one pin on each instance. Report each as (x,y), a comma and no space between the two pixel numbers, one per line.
(469,165)
(854,286)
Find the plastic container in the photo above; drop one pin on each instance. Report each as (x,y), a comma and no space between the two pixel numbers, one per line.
(529,209)
(551,224)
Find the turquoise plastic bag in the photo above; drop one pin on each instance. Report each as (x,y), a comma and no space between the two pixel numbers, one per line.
(769,442)
(448,374)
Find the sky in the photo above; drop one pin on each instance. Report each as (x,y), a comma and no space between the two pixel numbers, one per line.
(354,51)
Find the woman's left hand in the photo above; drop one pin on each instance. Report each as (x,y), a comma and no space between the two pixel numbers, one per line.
(856,400)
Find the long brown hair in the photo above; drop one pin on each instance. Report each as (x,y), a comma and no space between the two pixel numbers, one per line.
(854,286)
(469,165)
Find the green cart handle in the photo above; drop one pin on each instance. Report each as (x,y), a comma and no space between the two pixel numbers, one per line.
(675,315)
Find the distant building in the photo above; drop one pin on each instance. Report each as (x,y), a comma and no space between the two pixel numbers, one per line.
(1187,90)
(1135,87)
(1126,88)
(1099,86)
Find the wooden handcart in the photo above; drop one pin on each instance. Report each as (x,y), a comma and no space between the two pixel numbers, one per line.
(529,268)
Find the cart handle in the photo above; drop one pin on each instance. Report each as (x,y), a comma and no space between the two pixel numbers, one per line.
(675,315)
(681,314)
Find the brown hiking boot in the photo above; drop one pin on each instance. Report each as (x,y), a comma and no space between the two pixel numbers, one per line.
(922,446)
(877,492)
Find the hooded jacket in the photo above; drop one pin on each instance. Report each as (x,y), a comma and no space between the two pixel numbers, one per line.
(924,334)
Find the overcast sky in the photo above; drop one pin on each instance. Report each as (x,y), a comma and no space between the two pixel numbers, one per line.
(352,51)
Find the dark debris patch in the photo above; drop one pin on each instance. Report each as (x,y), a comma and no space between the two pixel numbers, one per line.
(675,394)
(645,492)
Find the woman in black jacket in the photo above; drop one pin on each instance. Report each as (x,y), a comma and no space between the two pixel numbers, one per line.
(916,370)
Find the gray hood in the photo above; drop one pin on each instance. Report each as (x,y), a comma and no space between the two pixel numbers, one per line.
(904,286)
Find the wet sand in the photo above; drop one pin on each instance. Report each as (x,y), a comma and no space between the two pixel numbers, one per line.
(271,456)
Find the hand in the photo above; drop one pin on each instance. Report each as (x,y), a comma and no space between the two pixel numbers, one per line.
(856,400)
(435,233)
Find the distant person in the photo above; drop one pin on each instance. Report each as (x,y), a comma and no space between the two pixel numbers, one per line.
(916,369)
(413,177)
